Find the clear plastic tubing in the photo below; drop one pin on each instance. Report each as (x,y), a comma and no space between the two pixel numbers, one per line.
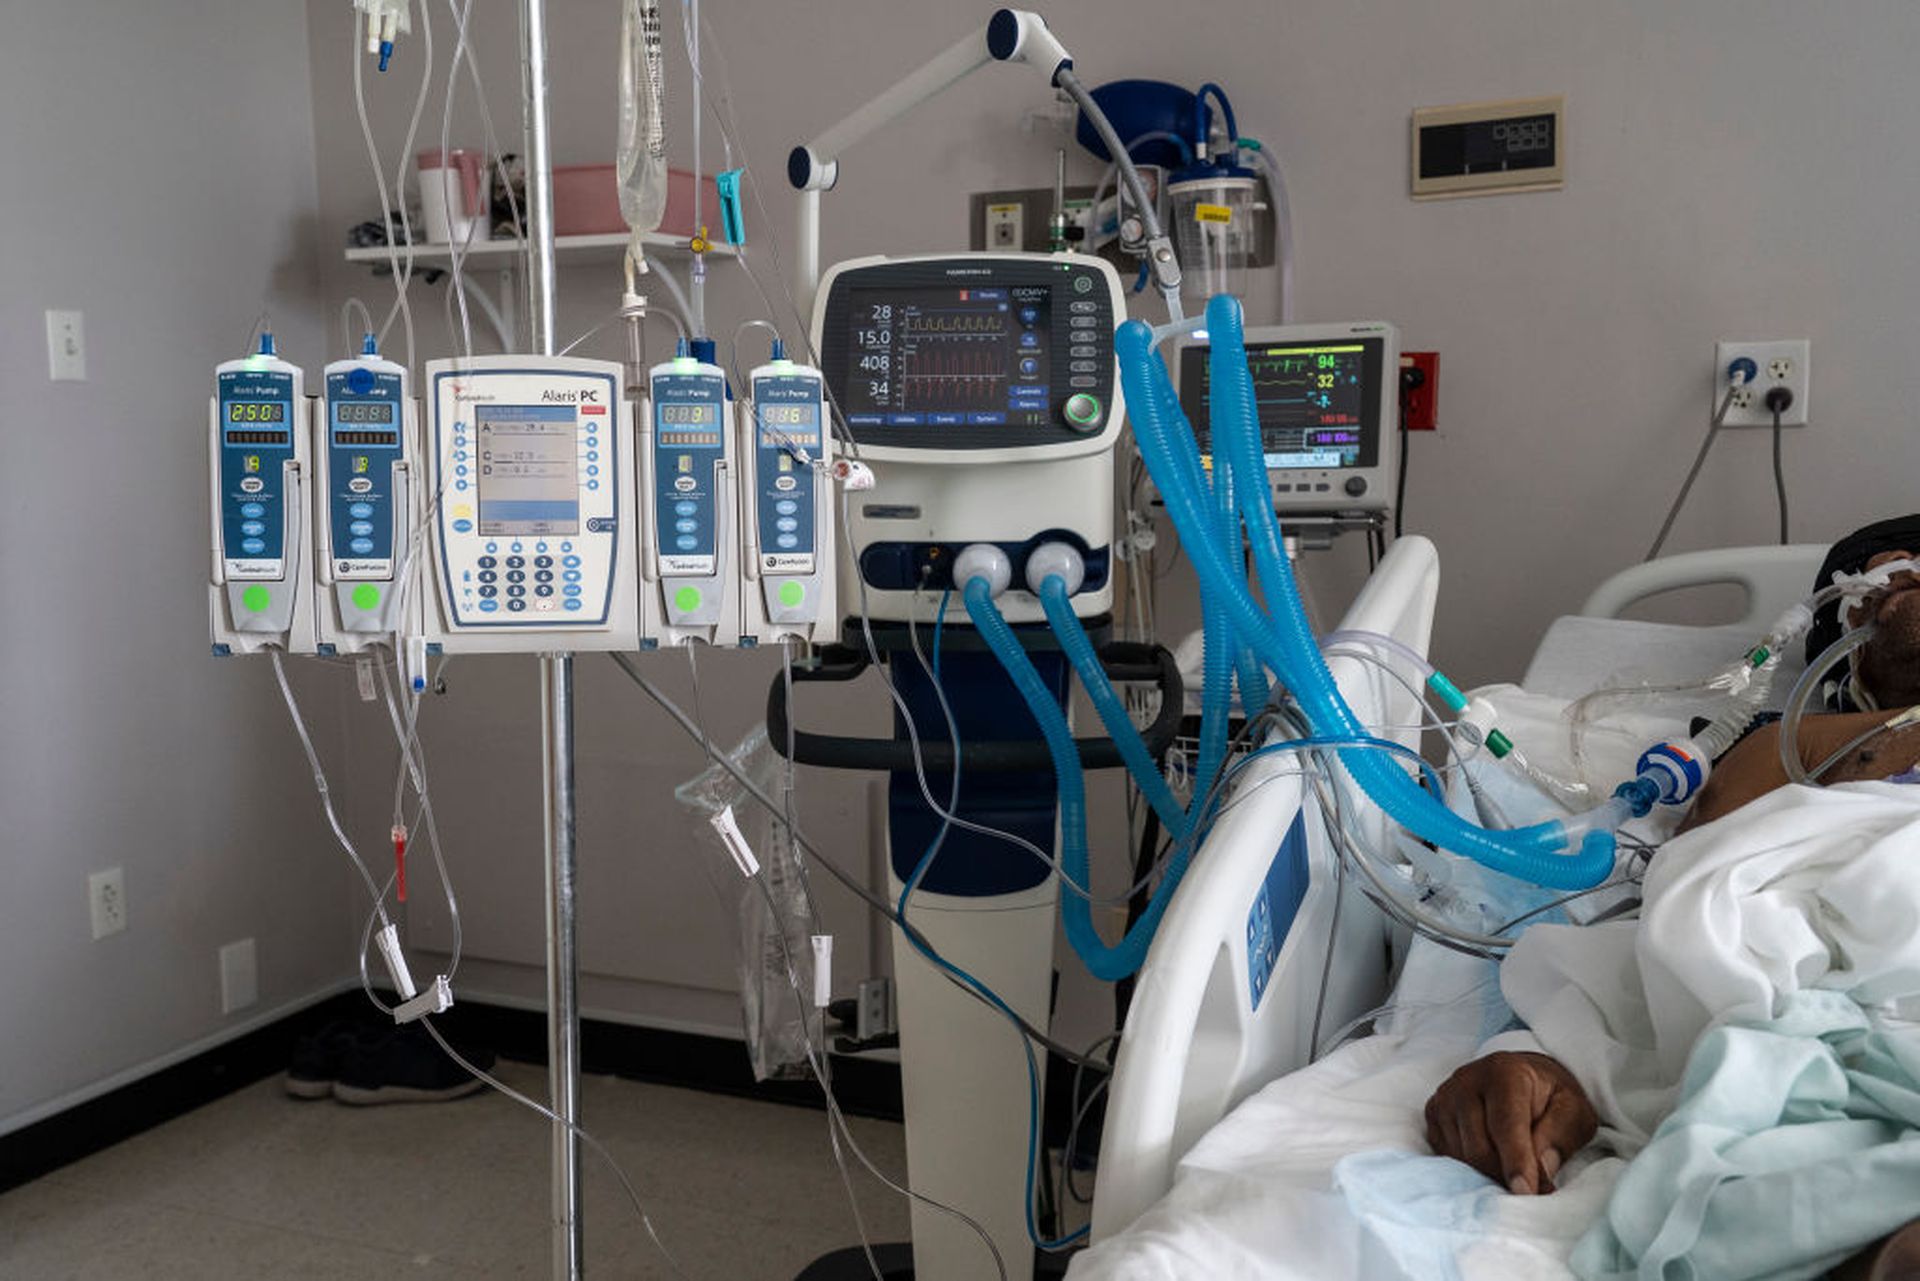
(1113,713)
(1803,690)
(1280,635)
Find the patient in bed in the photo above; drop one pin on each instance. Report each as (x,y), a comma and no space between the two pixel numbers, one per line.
(1518,1117)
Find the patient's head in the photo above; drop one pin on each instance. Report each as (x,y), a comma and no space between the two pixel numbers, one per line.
(1889,664)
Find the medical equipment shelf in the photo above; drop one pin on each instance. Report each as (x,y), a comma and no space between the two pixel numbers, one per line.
(606,246)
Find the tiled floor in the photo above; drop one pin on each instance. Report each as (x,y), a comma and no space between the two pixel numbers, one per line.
(259,1185)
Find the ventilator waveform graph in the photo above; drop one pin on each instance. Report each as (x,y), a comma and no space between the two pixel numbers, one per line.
(954,370)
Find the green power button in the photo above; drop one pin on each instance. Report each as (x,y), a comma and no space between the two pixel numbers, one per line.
(257,599)
(366,597)
(687,599)
(1082,410)
(792,593)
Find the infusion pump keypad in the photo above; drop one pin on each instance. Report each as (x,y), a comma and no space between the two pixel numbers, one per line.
(528,507)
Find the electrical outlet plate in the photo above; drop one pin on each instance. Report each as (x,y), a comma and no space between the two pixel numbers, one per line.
(1782,363)
(107,899)
(239,976)
(66,346)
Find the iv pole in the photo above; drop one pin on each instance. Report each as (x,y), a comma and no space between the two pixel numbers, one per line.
(556,704)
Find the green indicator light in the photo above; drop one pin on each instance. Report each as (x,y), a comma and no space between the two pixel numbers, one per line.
(792,593)
(257,599)
(366,597)
(687,599)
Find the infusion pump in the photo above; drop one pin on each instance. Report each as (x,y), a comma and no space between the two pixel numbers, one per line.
(983,391)
(532,505)
(260,588)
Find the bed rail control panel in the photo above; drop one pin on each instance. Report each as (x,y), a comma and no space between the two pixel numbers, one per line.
(532,498)
(259,594)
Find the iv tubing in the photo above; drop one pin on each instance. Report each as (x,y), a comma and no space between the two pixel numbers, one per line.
(1282,639)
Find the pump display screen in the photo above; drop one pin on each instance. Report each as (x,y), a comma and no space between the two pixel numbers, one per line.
(529,480)
(1318,403)
(257,438)
(386,438)
(948,357)
(363,411)
(256,411)
(689,415)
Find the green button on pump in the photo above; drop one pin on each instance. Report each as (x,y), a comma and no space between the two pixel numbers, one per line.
(366,597)
(687,599)
(257,599)
(792,593)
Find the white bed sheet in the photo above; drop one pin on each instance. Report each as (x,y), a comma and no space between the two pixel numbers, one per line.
(1325,1174)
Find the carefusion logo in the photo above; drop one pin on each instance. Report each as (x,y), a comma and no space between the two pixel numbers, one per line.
(465,394)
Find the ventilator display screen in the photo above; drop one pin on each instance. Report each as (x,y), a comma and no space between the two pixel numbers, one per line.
(529,479)
(1318,403)
(949,357)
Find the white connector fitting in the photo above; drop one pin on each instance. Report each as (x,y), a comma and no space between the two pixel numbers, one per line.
(389,942)
(983,560)
(1051,559)
(437,999)
(852,474)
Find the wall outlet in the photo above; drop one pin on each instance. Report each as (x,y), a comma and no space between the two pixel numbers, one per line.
(1785,363)
(239,976)
(1006,227)
(1422,402)
(107,897)
(66,346)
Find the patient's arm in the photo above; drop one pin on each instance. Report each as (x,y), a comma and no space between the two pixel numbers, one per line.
(1515,1117)
(1752,767)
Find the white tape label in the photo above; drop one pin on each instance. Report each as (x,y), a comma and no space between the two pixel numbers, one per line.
(822,970)
(735,841)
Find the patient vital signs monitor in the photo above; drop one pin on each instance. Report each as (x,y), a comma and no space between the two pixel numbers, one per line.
(1326,396)
(260,586)
(532,501)
(982,389)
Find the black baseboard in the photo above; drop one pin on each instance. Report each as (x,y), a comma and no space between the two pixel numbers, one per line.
(864,1087)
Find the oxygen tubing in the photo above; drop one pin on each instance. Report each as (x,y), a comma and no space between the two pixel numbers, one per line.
(1283,640)
(1103,962)
(1113,713)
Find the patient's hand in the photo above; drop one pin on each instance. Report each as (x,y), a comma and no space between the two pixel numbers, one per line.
(1514,1117)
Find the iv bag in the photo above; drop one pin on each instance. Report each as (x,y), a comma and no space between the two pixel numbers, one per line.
(642,161)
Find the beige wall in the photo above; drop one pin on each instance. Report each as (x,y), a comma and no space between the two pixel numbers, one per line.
(161,179)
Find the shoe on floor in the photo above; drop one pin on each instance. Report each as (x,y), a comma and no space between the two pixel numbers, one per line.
(406,1066)
(318,1056)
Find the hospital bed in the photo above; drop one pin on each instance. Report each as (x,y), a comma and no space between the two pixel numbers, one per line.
(1226,1002)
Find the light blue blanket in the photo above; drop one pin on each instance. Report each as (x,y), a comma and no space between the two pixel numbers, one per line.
(1796,1142)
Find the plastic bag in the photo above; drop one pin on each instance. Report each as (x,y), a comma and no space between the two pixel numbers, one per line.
(641,162)
(774,959)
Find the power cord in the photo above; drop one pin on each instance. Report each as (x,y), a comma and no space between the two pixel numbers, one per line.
(1411,377)
(1740,373)
(1779,400)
